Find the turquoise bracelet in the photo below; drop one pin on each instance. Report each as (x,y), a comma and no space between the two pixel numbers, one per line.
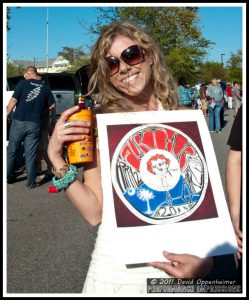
(66,180)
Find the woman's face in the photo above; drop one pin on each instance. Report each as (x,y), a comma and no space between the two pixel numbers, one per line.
(130,80)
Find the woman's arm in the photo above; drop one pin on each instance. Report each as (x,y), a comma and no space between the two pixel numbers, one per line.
(86,196)
(233,184)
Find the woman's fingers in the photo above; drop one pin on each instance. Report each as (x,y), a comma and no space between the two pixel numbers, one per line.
(67,113)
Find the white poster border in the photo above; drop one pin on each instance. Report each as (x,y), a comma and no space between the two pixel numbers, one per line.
(207,237)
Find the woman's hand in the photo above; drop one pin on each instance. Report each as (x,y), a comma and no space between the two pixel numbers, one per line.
(239,235)
(185,265)
(62,135)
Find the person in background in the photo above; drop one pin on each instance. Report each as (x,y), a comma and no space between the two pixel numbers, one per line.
(183,93)
(223,85)
(229,95)
(130,73)
(215,105)
(236,96)
(48,123)
(197,96)
(204,103)
(42,154)
(29,99)
(208,88)
(234,182)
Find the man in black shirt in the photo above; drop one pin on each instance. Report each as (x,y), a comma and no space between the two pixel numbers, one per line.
(30,98)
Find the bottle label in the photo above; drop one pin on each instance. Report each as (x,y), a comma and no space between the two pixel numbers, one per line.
(81,151)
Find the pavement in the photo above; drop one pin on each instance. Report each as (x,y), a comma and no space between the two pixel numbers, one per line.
(49,245)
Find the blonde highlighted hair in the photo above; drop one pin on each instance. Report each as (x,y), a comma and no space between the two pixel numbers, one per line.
(112,100)
(215,81)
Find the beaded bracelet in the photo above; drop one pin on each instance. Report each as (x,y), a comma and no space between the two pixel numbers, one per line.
(66,180)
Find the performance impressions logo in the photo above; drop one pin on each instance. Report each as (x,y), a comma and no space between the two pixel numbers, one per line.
(175,285)
(159,173)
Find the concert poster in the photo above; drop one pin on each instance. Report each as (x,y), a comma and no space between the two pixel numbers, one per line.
(162,185)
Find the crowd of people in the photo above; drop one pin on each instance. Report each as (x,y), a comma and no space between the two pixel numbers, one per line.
(130,73)
(213,99)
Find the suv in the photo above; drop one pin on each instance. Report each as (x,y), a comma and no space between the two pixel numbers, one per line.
(66,87)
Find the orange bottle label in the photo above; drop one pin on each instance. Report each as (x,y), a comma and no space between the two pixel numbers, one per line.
(82,151)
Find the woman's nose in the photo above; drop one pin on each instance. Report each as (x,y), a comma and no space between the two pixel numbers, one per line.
(124,67)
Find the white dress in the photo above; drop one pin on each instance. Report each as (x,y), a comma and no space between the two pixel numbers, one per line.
(106,276)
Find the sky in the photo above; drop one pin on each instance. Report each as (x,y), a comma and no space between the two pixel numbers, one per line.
(32,38)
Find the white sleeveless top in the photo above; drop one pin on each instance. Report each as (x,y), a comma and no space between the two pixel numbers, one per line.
(106,276)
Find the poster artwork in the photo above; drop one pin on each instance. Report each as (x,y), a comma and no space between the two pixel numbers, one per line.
(159,174)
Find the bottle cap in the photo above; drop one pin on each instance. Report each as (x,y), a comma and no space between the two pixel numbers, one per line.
(81,102)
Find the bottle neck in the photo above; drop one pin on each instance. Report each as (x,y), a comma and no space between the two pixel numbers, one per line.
(81,105)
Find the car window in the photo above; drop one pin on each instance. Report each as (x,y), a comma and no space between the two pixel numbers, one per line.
(65,83)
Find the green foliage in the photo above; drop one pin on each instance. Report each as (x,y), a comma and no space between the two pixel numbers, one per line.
(76,57)
(14,69)
(211,70)
(231,72)
(234,67)
(8,18)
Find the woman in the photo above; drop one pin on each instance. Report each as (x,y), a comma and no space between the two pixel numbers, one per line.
(215,105)
(129,72)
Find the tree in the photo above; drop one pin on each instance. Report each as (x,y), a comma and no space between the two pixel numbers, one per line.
(76,57)
(8,18)
(212,70)
(234,67)
(175,29)
(13,69)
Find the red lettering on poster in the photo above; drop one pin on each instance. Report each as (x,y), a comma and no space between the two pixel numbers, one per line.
(129,156)
(163,139)
(160,137)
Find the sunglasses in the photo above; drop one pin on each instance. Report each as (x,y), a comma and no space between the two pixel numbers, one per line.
(131,56)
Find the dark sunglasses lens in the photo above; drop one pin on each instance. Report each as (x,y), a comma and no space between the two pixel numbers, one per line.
(132,55)
(113,64)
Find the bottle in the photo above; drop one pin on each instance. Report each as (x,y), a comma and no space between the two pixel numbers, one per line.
(82,151)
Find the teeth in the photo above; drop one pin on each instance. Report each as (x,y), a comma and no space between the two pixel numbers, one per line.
(130,78)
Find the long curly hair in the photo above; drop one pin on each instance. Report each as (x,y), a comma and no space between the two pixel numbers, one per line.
(112,100)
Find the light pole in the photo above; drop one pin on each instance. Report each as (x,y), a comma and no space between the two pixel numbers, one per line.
(47,40)
(222,57)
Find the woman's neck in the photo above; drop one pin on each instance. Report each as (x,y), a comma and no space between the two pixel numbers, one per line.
(144,101)
(143,104)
